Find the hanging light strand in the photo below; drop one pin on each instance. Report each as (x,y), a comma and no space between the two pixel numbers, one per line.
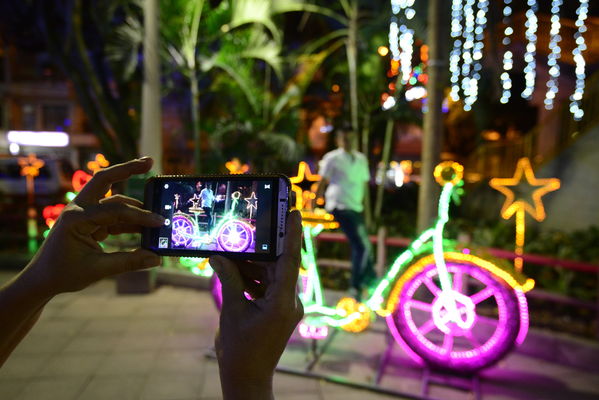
(401,38)
(406,44)
(554,54)
(456,53)
(508,56)
(467,50)
(576,98)
(531,25)
(477,52)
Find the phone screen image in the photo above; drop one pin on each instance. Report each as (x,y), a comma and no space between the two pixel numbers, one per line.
(216,215)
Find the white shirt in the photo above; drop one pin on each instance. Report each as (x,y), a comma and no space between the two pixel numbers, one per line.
(207,197)
(347,173)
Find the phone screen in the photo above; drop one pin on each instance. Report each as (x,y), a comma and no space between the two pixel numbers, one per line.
(215,214)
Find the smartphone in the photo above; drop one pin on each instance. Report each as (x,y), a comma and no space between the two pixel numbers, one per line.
(239,216)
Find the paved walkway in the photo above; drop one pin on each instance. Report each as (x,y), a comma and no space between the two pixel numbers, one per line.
(97,345)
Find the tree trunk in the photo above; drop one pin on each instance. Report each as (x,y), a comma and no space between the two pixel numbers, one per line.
(195,122)
(151,126)
(438,36)
(386,155)
(352,55)
(364,150)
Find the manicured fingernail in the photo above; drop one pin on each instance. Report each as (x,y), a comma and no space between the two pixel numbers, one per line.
(159,219)
(152,261)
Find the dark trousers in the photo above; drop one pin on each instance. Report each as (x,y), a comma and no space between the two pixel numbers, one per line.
(208,211)
(352,224)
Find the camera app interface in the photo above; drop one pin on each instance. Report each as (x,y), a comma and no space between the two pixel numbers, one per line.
(211,215)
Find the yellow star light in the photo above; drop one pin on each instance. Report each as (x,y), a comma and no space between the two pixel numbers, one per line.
(513,204)
(311,216)
(303,199)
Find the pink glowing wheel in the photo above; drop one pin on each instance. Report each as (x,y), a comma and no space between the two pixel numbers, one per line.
(487,331)
(182,230)
(235,235)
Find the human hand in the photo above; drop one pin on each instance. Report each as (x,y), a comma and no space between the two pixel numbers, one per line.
(71,258)
(254,333)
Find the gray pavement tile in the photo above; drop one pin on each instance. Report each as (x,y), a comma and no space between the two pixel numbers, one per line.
(108,388)
(189,340)
(37,343)
(91,344)
(211,382)
(124,363)
(108,326)
(287,384)
(53,389)
(181,361)
(57,326)
(22,366)
(133,342)
(62,365)
(149,326)
(10,389)
(171,387)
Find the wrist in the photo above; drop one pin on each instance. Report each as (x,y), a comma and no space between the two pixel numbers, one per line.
(236,387)
(38,285)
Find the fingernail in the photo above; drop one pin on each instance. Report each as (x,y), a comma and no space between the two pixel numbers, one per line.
(144,158)
(159,219)
(152,261)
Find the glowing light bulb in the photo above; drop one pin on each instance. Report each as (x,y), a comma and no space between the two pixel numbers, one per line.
(531,48)
(554,55)
(579,61)
(508,61)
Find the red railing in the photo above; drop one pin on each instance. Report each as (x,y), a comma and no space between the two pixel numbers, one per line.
(536,259)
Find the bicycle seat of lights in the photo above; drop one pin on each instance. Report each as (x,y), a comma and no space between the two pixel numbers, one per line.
(318,217)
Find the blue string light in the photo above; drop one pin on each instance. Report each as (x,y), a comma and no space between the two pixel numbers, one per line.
(531,25)
(508,56)
(456,52)
(554,55)
(576,98)
(467,49)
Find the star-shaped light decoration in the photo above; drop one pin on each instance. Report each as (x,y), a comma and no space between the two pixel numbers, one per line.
(195,203)
(520,206)
(304,185)
(512,203)
(252,203)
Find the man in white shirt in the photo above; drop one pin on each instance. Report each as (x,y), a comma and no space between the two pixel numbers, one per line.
(206,198)
(345,174)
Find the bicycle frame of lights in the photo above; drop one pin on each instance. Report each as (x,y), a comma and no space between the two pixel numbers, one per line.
(385,295)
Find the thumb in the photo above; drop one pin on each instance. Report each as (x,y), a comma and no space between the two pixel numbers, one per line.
(118,262)
(231,281)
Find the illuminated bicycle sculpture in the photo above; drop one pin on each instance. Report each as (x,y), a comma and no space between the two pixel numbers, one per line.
(448,309)
(231,233)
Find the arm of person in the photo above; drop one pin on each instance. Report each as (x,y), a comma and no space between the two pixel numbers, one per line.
(253,333)
(322,185)
(71,258)
(325,170)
